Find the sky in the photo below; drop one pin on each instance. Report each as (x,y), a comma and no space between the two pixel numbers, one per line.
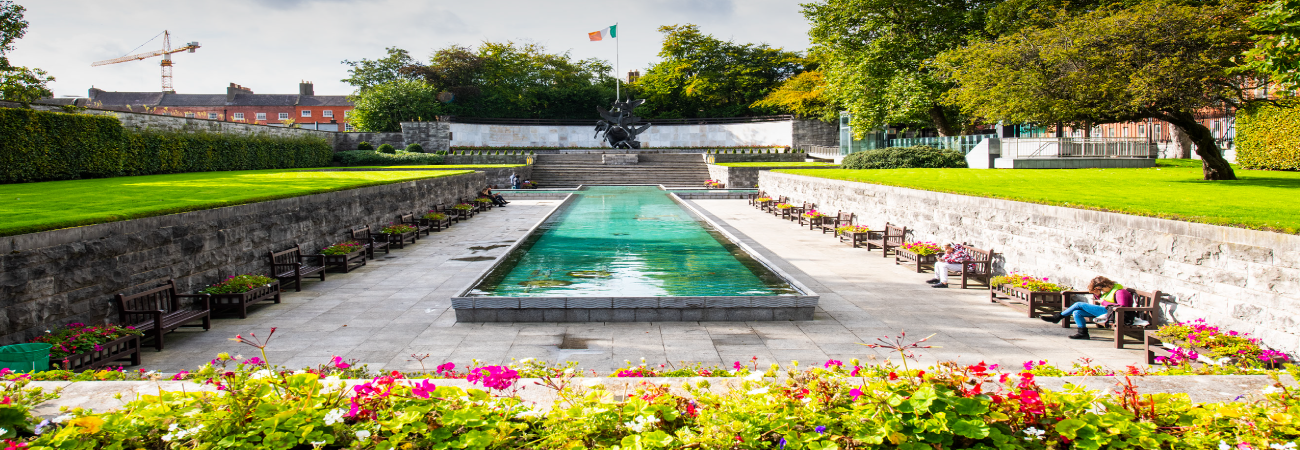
(270,46)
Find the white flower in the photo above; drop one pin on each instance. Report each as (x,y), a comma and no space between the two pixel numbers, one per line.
(363,435)
(299,372)
(1224,446)
(3,431)
(259,374)
(1034,433)
(641,422)
(568,371)
(762,390)
(334,417)
(62,418)
(526,414)
(1287,446)
(525,360)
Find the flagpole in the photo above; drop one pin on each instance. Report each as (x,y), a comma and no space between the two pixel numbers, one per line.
(618,79)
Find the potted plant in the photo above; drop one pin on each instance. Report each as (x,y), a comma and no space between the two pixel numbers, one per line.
(80,347)
(397,233)
(1199,343)
(484,203)
(464,209)
(921,254)
(853,234)
(436,220)
(782,210)
(239,291)
(814,217)
(345,255)
(1034,295)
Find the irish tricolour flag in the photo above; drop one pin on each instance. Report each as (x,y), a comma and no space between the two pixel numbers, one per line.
(607,33)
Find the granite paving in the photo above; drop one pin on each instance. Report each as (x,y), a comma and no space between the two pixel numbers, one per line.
(397,309)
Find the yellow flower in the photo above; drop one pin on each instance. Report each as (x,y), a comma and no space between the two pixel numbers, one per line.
(90,423)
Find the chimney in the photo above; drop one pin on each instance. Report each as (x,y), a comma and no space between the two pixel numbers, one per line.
(92,93)
(305,88)
(235,89)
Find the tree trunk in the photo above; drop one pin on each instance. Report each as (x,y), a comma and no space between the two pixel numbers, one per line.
(1182,142)
(941,121)
(1213,165)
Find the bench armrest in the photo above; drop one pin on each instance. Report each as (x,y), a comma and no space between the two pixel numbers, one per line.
(1066,300)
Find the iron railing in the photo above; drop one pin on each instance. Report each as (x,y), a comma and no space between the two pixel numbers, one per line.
(819,151)
(1068,147)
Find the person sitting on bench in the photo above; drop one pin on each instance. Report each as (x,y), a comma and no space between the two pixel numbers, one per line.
(496,198)
(1107,293)
(952,258)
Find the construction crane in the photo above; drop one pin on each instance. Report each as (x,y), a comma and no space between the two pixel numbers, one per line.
(166,53)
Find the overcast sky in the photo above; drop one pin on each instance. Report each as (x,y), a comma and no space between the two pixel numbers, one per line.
(269,46)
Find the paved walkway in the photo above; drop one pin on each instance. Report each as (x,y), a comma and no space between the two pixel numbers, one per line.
(399,305)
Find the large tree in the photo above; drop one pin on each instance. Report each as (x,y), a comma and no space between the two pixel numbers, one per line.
(1157,59)
(878,53)
(366,73)
(703,76)
(384,106)
(18,84)
(1276,53)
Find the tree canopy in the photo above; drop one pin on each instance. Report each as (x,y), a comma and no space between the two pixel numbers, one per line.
(1276,53)
(366,73)
(18,84)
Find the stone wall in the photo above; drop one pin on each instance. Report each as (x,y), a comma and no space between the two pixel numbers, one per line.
(763,134)
(745,177)
(816,132)
(55,277)
(719,158)
(349,141)
(486,159)
(432,136)
(1244,280)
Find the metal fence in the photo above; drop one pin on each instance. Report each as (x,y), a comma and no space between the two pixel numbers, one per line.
(1078,148)
(961,144)
(819,151)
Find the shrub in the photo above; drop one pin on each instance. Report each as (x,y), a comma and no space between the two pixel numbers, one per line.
(363,145)
(1268,136)
(387,148)
(373,158)
(906,158)
(415,148)
(41,146)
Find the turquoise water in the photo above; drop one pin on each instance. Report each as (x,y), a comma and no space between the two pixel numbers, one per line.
(628,241)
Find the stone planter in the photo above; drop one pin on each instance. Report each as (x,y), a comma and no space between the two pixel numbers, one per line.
(123,348)
(1155,347)
(240,301)
(346,262)
(1034,303)
(920,261)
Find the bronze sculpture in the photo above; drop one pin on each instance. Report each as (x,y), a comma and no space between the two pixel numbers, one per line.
(619,125)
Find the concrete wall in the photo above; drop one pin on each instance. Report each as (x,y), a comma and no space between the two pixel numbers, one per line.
(718,158)
(1241,279)
(486,159)
(658,136)
(746,177)
(52,278)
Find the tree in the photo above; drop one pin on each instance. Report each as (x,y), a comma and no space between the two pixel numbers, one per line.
(383,107)
(18,84)
(1276,53)
(803,95)
(878,53)
(366,73)
(702,76)
(1157,59)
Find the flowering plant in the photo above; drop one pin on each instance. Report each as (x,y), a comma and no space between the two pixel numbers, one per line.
(77,338)
(712,184)
(397,229)
(483,200)
(342,248)
(923,248)
(1218,347)
(784,206)
(238,284)
(814,214)
(763,199)
(1031,283)
(528,185)
(852,229)
(435,216)
(462,207)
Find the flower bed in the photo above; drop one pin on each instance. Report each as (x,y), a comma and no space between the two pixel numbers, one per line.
(1032,295)
(239,291)
(918,254)
(79,347)
(1196,342)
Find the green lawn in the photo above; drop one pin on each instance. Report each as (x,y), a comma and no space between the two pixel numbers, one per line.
(426,167)
(1258,199)
(32,207)
(779,164)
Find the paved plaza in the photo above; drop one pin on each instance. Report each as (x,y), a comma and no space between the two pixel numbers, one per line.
(399,305)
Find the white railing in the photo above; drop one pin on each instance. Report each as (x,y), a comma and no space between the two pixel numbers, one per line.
(1077,148)
(819,151)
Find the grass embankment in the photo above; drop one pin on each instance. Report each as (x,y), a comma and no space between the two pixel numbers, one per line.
(779,164)
(1174,190)
(32,207)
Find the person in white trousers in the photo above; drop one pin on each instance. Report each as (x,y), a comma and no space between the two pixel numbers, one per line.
(952,259)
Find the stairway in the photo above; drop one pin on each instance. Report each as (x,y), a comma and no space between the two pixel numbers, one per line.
(669,169)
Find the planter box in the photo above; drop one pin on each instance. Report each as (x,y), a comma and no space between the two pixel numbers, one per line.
(920,261)
(437,225)
(784,213)
(1155,347)
(124,348)
(855,238)
(399,240)
(1034,303)
(346,262)
(241,300)
(815,222)
(463,214)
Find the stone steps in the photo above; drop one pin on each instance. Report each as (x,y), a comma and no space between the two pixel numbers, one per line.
(575,170)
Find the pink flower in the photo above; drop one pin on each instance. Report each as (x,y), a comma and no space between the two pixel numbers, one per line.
(494,377)
(423,390)
(855,392)
(338,362)
(255,361)
(446,369)
(181,375)
(737,365)
(832,362)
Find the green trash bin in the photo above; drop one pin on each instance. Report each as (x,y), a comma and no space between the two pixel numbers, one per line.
(25,357)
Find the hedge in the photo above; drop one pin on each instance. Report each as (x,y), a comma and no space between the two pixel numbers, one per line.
(1268,136)
(906,158)
(375,158)
(43,146)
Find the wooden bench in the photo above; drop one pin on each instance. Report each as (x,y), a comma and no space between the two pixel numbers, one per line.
(367,239)
(979,266)
(771,206)
(891,237)
(797,212)
(1146,306)
(411,220)
(452,215)
(753,199)
(159,310)
(841,219)
(292,265)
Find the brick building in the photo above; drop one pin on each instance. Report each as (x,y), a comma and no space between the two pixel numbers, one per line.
(239,104)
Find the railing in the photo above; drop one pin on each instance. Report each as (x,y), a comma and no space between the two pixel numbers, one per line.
(1077,148)
(819,151)
(962,144)
(592,121)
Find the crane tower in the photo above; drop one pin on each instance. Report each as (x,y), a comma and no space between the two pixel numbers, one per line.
(166,53)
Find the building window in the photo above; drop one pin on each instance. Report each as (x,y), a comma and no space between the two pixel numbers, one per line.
(212,116)
(1156,129)
(284,116)
(237,116)
(1142,130)
(261,116)
(306,113)
(347,127)
(1123,132)
(327,113)
(189,114)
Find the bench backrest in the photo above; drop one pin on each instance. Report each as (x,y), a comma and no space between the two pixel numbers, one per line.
(406,218)
(1145,299)
(360,233)
(287,257)
(843,219)
(162,298)
(979,261)
(809,206)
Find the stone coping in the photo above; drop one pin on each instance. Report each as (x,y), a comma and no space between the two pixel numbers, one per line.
(100,396)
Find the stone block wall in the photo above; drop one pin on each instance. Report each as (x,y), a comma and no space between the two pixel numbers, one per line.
(432,136)
(1244,280)
(55,277)
(816,132)
(486,159)
(718,158)
(350,140)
